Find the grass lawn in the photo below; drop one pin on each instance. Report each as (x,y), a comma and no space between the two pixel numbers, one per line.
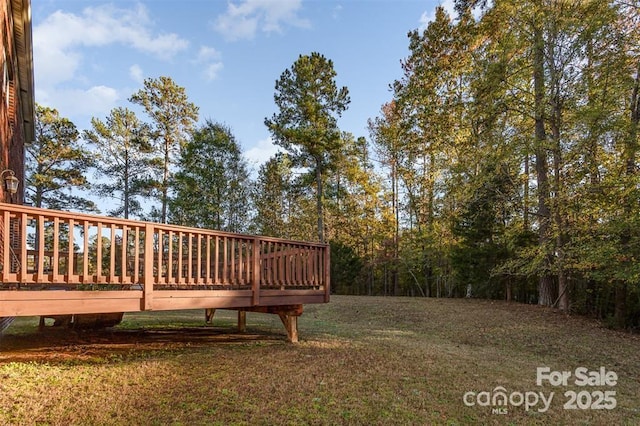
(360,360)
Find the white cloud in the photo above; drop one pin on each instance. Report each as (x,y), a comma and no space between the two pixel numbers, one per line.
(211,71)
(449,7)
(207,53)
(243,20)
(93,102)
(261,152)
(337,11)
(207,60)
(427,17)
(135,72)
(58,39)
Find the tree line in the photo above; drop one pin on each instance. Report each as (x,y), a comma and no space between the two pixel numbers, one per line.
(504,164)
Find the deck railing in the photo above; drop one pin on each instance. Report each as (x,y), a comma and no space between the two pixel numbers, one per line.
(46,249)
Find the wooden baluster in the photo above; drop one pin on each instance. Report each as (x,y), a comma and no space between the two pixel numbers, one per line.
(314,269)
(6,247)
(170,259)
(123,255)
(310,266)
(180,272)
(299,266)
(198,258)
(225,256)
(289,269)
(232,261)
(159,276)
(148,267)
(216,265)
(207,278)
(23,249)
(39,261)
(255,285)
(268,260)
(281,266)
(189,258)
(56,250)
(99,253)
(85,256)
(239,268)
(136,256)
(112,255)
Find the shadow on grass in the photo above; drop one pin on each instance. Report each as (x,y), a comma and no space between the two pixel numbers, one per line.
(63,345)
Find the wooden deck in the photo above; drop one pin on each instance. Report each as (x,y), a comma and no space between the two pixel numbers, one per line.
(94,264)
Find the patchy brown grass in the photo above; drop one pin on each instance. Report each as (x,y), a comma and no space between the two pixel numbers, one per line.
(361,360)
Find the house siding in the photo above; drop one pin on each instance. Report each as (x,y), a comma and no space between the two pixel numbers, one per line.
(13,124)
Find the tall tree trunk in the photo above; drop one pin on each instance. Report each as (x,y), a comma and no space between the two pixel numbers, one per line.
(396,230)
(165,181)
(556,125)
(38,192)
(620,310)
(126,186)
(563,290)
(319,197)
(525,218)
(428,277)
(631,148)
(545,283)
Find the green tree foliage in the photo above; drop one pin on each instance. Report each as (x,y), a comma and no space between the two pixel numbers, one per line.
(346,269)
(212,184)
(509,153)
(270,195)
(309,103)
(427,126)
(123,161)
(172,119)
(354,212)
(386,134)
(577,67)
(282,207)
(56,164)
(481,229)
(522,122)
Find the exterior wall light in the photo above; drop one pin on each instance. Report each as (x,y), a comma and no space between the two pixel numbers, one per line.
(11,182)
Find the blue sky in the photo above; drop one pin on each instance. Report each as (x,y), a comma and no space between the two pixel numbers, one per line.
(90,56)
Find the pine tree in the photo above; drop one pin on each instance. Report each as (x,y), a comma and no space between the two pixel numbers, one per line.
(212,181)
(172,119)
(56,164)
(309,104)
(123,160)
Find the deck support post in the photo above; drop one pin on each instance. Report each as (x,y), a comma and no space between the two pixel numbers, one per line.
(208,315)
(288,315)
(290,323)
(147,298)
(242,321)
